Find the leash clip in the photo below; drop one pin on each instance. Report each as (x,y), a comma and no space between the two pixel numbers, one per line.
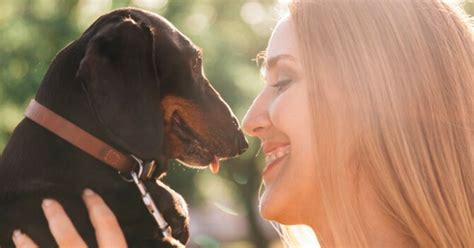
(143,170)
(150,205)
(137,175)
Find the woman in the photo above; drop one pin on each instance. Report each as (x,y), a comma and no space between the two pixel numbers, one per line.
(366,121)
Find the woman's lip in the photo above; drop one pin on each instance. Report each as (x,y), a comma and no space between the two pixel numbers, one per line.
(270,166)
(269,147)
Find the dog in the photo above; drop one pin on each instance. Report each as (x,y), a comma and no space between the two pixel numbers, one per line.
(135,82)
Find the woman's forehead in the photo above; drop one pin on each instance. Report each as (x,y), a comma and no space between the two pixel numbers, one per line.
(283,40)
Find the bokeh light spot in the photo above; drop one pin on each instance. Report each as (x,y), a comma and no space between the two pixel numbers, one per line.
(252,13)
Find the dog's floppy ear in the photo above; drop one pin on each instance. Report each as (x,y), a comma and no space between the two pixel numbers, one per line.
(118,73)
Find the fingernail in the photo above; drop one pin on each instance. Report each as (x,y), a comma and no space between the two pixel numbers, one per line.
(47,203)
(88,192)
(17,235)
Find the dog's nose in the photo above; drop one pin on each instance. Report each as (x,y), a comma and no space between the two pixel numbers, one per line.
(242,143)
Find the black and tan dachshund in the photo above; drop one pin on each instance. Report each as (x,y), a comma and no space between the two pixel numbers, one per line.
(135,82)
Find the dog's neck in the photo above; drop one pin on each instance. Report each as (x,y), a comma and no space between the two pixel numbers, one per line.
(61,92)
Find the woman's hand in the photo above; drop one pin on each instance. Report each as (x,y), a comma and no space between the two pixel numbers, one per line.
(106,227)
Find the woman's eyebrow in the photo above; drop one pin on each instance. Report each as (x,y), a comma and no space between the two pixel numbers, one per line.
(272,61)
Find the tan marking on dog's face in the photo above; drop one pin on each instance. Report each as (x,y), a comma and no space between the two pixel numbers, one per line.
(193,118)
(188,111)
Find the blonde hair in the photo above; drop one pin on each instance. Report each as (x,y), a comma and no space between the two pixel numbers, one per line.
(404,70)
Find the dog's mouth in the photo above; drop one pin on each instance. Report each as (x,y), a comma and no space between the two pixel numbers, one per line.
(197,152)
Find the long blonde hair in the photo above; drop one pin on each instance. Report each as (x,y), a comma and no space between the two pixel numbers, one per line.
(405,71)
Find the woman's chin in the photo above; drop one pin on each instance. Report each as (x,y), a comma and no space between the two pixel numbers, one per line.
(273,213)
(270,207)
(274,205)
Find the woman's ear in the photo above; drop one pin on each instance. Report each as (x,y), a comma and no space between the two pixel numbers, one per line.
(118,74)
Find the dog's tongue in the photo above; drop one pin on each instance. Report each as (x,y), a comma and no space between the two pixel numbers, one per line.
(214,165)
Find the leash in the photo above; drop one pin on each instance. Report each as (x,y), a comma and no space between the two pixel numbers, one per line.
(130,168)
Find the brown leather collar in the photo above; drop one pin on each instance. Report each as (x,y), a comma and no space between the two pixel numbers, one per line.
(84,141)
(134,167)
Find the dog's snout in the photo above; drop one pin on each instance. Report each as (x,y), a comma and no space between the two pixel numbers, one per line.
(242,143)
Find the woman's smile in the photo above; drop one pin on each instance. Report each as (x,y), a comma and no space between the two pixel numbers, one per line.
(273,158)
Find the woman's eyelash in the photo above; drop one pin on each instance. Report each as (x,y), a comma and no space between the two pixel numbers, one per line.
(280,85)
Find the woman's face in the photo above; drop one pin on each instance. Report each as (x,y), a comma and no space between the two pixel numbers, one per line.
(280,118)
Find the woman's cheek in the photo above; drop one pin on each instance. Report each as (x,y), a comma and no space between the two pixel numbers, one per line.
(290,115)
(290,110)
(283,110)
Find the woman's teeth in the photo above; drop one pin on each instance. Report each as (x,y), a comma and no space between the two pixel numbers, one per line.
(276,154)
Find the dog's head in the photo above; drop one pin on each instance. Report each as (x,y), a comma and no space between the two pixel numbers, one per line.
(146,84)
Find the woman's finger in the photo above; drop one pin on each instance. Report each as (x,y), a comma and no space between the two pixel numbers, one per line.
(22,240)
(107,229)
(61,226)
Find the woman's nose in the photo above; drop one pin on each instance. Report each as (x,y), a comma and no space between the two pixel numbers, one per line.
(257,118)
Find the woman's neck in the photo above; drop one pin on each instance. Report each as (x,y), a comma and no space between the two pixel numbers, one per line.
(324,235)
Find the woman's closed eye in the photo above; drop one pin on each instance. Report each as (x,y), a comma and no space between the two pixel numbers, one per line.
(282,84)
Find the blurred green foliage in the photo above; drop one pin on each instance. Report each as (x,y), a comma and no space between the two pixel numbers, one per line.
(231,33)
